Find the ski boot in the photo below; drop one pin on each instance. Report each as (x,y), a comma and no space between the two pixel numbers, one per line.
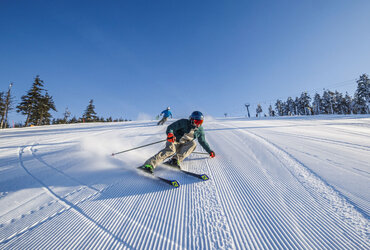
(148,168)
(174,163)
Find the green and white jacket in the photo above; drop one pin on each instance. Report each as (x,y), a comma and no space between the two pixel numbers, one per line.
(183,127)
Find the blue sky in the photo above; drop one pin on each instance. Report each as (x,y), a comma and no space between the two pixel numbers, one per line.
(138,57)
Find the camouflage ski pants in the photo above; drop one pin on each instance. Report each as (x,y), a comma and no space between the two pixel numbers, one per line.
(181,149)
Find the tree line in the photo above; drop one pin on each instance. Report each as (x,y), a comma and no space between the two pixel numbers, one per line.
(330,102)
(37,104)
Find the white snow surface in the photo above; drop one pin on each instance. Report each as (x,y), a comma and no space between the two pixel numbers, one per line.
(301,182)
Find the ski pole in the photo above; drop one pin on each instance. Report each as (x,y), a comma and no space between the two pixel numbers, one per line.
(200,153)
(113,154)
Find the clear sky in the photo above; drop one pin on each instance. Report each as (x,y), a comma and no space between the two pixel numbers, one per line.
(138,57)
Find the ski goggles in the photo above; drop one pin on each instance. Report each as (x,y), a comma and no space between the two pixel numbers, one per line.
(198,122)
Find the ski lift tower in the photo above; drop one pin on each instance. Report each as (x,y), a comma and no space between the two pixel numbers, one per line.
(247,106)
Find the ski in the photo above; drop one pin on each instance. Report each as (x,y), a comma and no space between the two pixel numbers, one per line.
(173,183)
(203,177)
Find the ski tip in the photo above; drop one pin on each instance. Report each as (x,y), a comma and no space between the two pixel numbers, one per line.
(204,177)
(175,183)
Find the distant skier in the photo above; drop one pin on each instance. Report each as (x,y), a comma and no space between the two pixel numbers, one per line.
(181,143)
(166,113)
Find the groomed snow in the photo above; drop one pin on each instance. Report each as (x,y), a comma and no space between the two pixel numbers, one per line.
(300,182)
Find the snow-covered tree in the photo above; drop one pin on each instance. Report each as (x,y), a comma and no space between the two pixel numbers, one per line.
(271,111)
(317,105)
(73,120)
(285,108)
(290,106)
(347,104)
(362,95)
(2,105)
(327,102)
(337,103)
(66,115)
(279,107)
(304,104)
(259,110)
(296,106)
(5,107)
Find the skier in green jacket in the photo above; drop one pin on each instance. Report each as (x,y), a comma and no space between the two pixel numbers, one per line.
(181,143)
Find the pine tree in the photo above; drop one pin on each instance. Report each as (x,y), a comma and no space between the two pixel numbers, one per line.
(31,101)
(279,107)
(271,111)
(66,115)
(327,102)
(317,105)
(348,104)
(296,106)
(338,103)
(73,120)
(44,105)
(2,105)
(6,107)
(90,114)
(362,95)
(304,104)
(290,106)
(259,110)
(284,108)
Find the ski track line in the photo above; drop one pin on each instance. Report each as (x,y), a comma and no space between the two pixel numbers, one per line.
(311,181)
(270,240)
(163,227)
(208,211)
(132,235)
(235,219)
(65,203)
(143,230)
(227,209)
(349,132)
(344,241)
(327,161)
(52,202)
(268,208)
(344,144)
(358,201)
(48,191)
(333,163)
(278,220)
(61,172)
(257,216)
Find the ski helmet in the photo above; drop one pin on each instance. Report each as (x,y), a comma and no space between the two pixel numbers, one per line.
(168,108)
(196,118)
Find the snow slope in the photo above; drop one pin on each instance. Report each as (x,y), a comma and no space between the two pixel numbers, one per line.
(275,183)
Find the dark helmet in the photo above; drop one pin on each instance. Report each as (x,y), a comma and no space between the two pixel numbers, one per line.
(196,118)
